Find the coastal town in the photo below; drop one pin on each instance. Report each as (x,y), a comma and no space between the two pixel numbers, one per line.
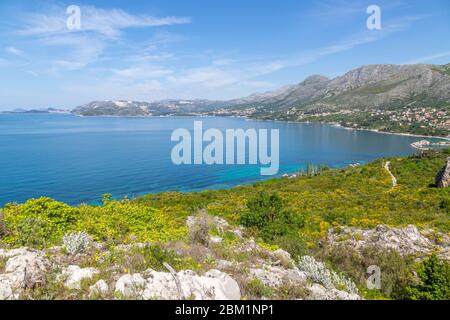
(423,121)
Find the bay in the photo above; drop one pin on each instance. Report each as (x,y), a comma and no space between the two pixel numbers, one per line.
(77,159)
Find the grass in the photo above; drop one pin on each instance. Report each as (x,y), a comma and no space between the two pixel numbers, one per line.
(3,264)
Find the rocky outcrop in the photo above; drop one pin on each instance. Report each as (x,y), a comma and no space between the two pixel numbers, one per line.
(213,285)
(443,176)
(24,269)
(319,292)
(277,276)
(370,86)
(407,240)
(73,275)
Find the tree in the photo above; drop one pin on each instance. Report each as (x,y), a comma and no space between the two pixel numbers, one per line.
(269,215)
(434,276)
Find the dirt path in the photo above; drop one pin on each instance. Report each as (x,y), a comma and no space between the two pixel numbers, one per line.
(394,179)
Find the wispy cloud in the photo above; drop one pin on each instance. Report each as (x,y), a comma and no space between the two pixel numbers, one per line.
(139,72)
(14,51)
(366,37)
(99,28)
(79,50)
(430,58)
(109,23)
(207,77)
(231,74)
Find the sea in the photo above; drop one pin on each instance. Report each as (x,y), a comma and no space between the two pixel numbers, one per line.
(78,159)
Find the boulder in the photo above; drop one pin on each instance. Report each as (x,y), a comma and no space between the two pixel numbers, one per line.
(131,286)
(407,240)
(6,291)
(99,288)
(319,292)
(73,276)
(443,176)
(213,285)
(274,276)
(283,257)
(24,269)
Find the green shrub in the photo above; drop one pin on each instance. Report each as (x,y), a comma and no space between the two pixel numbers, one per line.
(128,222)
(271,217)
(255,288)
(434,276)
(139,259)
(3,230)
(396,270)
(445,204)
(38,222)
(42,222)
(199,230)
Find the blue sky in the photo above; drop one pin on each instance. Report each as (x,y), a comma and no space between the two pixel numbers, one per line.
(215,49)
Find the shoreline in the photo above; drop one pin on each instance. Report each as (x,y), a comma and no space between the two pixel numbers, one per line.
(394,133)
(334,124)
(338,125)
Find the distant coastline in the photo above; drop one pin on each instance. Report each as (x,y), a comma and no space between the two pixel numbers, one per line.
(334,124)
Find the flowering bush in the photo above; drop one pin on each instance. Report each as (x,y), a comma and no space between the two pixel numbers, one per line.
(76,242)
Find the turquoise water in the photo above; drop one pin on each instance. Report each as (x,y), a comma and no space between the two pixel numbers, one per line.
(76,160)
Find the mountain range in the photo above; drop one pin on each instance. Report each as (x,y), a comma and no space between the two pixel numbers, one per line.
(368,87)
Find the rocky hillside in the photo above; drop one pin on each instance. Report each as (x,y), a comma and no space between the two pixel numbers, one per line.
(242,269)
(371,86)
(135,109)
(312,235)
(231,271)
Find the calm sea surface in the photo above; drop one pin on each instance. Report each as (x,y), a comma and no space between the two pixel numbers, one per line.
(76,159)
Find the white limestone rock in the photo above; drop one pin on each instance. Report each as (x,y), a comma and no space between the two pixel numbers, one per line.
(24,269)
(131,286)
(213,285)
(274,276)
(407,240)
(319,292)
(73,276)
(99,288)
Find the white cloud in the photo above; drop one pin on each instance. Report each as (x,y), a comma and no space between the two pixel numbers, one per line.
(223,61)
(14,51)
(142,72)
(76,49)
(108,23)
(209,77)
(147,58)
(79,51)
(430,57)
(69,65)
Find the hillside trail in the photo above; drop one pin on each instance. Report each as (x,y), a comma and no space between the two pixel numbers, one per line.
(394,179)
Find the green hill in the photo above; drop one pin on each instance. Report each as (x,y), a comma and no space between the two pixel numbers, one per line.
(313,214)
